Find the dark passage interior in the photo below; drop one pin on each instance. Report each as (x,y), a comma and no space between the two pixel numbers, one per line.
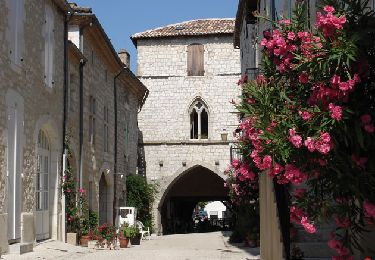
(197,185)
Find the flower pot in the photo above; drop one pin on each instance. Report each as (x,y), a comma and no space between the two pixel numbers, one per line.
(92,244)
(123,242)
(84,240)
(71,238)
(136,240)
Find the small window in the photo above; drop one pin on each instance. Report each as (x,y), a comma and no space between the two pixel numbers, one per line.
(49,39)
(195,60)
(106,131)
(92,115)
(199,121)
(16,14)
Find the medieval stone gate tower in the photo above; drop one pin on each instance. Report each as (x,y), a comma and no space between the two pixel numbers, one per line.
(187,123)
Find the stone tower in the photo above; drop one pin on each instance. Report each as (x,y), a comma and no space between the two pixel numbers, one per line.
(191,69)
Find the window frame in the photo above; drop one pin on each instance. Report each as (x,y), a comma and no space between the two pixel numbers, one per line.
(106,128)
(92,119)
(198,106)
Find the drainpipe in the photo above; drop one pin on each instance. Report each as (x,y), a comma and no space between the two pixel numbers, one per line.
(82,63)
(67,18)
(115,142)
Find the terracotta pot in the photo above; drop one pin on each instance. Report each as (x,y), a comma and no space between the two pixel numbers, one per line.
(123,242)
(84,241)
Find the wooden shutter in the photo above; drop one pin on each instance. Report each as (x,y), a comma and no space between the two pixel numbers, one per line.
(195,60)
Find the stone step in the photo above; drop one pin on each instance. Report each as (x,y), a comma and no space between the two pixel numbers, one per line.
(315,249)
(21,248)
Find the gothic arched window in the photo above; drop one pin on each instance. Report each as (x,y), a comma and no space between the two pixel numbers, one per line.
(199,121)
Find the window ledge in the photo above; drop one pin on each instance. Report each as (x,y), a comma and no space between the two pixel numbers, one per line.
(189,142)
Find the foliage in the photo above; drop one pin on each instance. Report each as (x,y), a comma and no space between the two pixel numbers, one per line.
(70,191)
(309,120)
(107,232)
(202,204)
(127,231)
(140,194)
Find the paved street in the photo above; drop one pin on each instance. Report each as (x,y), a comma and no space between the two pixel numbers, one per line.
(180,247)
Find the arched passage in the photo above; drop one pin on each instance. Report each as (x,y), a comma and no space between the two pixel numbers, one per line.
(182,191)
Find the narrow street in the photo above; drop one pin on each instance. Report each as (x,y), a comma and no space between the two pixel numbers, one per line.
(180,247)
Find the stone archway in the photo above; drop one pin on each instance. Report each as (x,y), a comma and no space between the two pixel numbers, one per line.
(105,196)
(180,192)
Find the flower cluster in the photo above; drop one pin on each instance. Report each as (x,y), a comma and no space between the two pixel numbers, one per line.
(308,122)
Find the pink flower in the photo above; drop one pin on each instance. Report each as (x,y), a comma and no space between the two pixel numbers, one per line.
(261,79)
(250,100)
(359,161)
(369,209)
(82,191)
(369,128)
(336,112)
(294,175)
(303,78)
(310,144)
(285,22)
(366,119)
(335,80)
(305,115)
(329,9)
(277,169)
(325,137)
(299,193)
(296,140)
(310,228)
(342,223)
(291,36)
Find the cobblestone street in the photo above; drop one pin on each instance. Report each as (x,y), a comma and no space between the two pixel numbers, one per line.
(180,247)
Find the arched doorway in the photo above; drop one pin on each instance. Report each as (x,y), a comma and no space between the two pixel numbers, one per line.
(183,192)
(42,186)
(103,200)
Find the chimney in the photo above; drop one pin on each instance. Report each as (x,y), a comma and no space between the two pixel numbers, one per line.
(124,57)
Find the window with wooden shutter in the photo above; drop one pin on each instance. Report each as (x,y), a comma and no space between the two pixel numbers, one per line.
(48,46)
(15,33)
(195,60)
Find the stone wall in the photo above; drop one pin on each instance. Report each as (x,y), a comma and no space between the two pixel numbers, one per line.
(98,83)
(42,104)
(162,68)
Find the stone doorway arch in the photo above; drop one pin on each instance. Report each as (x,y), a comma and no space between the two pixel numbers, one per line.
(106,197)
(180,192)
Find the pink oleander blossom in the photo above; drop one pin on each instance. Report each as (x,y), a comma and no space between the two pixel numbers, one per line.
(310,144)
(309,227)
(345,223)
(299,193)
(294,175)
(359,161)
(295,139)
(303,78)
(369,209)
(305,115)
(336,112)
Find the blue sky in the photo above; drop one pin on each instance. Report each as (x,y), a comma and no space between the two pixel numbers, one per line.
(122,18)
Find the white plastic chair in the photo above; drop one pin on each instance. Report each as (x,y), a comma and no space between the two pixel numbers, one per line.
(142,229)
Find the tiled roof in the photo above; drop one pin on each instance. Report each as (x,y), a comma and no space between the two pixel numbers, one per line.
(190,28)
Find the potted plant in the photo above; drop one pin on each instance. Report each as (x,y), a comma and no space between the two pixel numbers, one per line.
(125,234)
(107,232)
(136,236)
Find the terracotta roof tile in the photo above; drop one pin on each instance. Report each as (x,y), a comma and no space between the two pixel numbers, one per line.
(190,28)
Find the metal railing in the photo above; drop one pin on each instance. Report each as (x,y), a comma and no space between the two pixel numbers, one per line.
(235,153)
